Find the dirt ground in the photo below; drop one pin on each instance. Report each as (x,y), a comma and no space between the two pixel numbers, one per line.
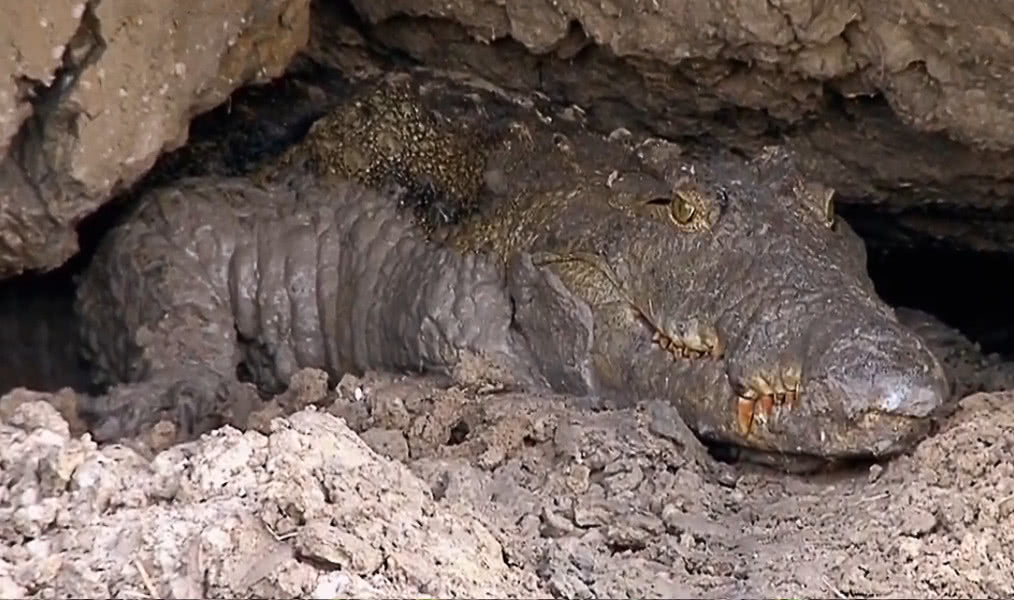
(400,487)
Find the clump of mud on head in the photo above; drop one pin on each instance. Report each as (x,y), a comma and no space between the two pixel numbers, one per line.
(759,320)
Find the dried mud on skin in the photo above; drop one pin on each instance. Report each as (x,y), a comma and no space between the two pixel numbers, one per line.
(447,493)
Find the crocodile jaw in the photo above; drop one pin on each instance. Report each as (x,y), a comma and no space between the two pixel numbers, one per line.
(867,390)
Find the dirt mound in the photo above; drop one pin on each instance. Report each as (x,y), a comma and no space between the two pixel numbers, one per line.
(491,495)
(307,511)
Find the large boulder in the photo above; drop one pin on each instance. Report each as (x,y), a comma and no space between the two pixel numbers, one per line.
(904,107)
(92,92)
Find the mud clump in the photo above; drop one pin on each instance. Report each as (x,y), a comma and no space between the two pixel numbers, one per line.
(385,139)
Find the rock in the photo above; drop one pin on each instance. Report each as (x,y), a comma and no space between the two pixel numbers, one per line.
(92,92)
(913,52)
(900,106)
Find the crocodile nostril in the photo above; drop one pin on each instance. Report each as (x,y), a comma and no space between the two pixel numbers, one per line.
(909,395)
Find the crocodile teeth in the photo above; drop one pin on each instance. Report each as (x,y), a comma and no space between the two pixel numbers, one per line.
(760,410)
(681,349)
(763,400)
(744,415)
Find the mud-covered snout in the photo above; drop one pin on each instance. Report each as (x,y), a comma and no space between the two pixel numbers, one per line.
(869,390)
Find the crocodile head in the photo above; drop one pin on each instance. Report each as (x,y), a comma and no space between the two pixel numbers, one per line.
(728,287)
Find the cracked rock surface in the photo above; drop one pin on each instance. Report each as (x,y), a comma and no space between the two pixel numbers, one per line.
(92,92)
(919,54)
(904,107)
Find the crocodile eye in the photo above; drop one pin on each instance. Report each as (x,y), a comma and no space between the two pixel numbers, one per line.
(681,210)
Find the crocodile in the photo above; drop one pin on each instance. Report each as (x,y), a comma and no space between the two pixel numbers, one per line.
(427,221)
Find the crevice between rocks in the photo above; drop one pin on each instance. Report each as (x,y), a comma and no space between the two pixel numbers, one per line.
(84,49)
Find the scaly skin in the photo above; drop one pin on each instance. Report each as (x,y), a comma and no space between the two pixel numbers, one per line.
(620,269)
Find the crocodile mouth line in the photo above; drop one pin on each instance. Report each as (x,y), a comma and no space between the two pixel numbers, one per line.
(760,402)
(682,347)
(678,349)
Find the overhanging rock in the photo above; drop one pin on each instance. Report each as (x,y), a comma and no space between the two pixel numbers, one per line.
(91,93)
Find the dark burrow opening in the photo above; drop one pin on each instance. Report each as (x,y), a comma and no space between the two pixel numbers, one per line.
(966,289)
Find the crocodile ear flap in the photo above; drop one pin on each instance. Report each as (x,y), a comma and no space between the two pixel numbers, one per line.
(557,325)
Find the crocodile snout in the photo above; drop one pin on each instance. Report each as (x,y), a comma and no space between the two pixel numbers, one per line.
(884,385)
(866,391)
